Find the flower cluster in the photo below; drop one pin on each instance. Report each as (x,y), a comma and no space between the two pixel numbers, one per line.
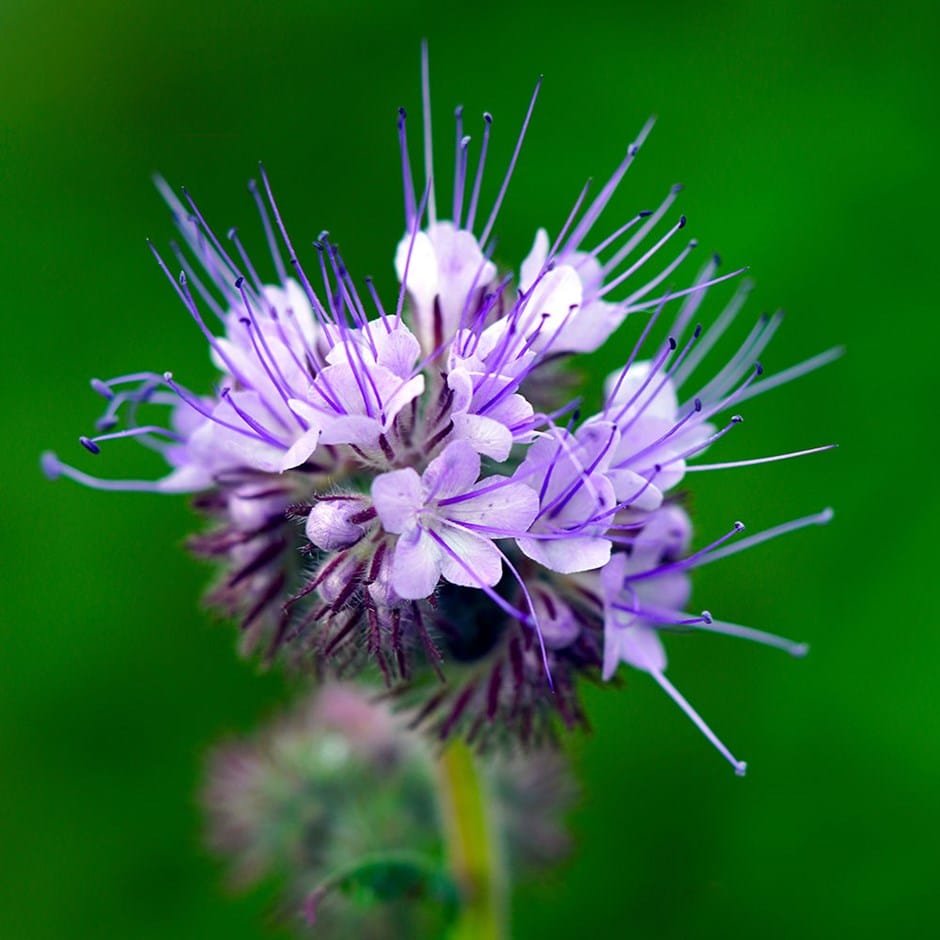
(410,485)
(297,800)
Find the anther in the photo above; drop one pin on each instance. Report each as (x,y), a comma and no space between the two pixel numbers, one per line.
(50,465)
(101,388)
(682,221)
(707,616)
(89,445)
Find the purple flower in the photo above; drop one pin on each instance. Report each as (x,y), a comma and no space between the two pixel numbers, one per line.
(446,521)
(458,505)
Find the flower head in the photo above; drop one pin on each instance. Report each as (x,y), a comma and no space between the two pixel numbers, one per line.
(461,512)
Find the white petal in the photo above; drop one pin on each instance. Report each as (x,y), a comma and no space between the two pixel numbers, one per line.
(534,261)
(453,472)
(300,450)
(397,496)
(567,555)
(484,435)
(503,505)
(477,559)
(416,566)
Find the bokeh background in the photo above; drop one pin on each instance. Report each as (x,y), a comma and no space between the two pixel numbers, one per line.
(807,138)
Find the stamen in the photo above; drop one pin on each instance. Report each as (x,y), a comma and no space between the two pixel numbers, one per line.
(415,227)
(651,222)
(512,164)
(268,233)
(715,331)
(460,165)
(53,468)
(709,624)
(674,295)
(794,372)
(295,262)
(759,460)
(821,518)
(259,429)
(91,443)
(428,143)
(740,767)
(246,261)
(604,196)
(407,182)
(472,212)
(620,278)
(690,561)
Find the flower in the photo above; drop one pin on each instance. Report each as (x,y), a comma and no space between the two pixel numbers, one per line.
(297,803)
(461,512)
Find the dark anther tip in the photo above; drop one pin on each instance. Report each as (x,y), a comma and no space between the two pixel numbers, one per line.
(239,281)
(645,214)
(672,342)
(487,117)
(89,445)
(698,331)
(697,404)
(758,368)
(682,221)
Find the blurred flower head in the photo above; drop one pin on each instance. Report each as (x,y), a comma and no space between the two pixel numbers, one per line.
(298,803)
(411,485)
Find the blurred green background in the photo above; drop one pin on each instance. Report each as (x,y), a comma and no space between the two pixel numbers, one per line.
(807,138)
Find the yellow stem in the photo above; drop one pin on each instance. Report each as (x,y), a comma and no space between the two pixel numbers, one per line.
(473,850)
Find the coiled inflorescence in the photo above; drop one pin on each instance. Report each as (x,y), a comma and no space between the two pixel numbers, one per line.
(412,486)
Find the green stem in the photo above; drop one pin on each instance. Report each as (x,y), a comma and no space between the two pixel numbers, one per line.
(473,852)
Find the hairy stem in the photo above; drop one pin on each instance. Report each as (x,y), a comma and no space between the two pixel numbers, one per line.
(474,854)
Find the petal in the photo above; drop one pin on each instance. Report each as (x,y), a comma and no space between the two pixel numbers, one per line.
(535,260)
(502,504)
(397,497)
(484,435)
(453,472)
(416,566)
(567,555)
(472,559)
(664,404)
(300,450)
(352,429)
(397,349)
(422,268)
(637,645)
(634,489)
